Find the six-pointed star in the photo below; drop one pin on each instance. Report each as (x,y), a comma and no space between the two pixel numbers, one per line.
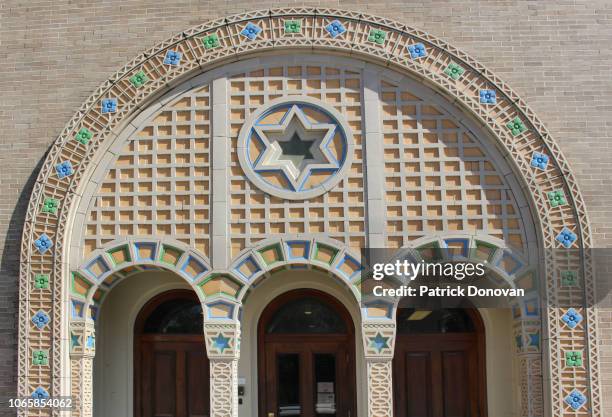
(279,138)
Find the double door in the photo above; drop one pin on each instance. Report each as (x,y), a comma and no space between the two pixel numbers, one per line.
(437,375)
(307,376)
(173,377)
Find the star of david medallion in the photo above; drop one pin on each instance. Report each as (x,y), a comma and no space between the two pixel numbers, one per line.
(295,148)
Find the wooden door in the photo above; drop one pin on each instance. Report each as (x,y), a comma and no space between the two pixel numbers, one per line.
(436,375)
(307,377)
(306,357)
(171,369)
(173,377)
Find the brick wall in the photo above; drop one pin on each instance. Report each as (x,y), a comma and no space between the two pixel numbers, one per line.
(555,54)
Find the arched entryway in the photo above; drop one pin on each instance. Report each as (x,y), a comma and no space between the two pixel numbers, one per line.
(439,363)
(306,357)
(171,369)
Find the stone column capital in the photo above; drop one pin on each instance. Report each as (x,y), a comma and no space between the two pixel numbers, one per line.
(378,340)
(222,340)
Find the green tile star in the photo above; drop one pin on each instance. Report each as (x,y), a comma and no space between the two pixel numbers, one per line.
(139,79)
(41,281)
(573,358)
(50,205)
(293,26)
(84,136)
(516,126)
(557,198)
(40,357)
(211,41)
(454,71)
(569,278)
(377,36)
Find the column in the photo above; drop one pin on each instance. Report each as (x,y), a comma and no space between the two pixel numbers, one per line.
(82,352)
(379,344)
(223,349)
(373,154)
(220,160)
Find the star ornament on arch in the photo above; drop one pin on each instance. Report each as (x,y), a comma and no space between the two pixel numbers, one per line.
(221,342)
(296,147)
(379,343)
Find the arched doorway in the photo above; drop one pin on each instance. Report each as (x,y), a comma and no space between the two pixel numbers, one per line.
(439,363)
(171,369)
(306,357)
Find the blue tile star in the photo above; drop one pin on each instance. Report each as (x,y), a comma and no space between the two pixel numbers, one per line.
(43,243)
(221,342)
(379,343)
(40,393)
(172,57)
(40,319)
(417,51)
(534,339)
(335,28)
(575,399)
(251,31)
(566,237)
(539,160)
(64,169)
(572,318)
(109,105)
(74,340)
(488,97)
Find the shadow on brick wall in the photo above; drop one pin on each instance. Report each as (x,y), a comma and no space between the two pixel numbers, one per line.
(9,293)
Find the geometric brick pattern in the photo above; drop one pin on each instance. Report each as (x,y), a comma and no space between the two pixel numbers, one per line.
(438,178)
(339,213)
(159,183)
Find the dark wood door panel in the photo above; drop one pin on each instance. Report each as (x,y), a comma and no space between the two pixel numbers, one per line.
(455,383)
(418,392)
(174,377)
(438,375)
(164,392)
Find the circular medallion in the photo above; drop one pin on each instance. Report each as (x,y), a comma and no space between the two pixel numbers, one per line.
(295,147)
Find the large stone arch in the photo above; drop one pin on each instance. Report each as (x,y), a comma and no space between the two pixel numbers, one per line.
(537,160)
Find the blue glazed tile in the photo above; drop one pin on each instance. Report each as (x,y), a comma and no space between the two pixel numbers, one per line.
(488,97)
(335,28)
(572,318)
(40,393)
(75,341)
(417,50)
(539,160)
(43,243)
(40,319)
(251,31)
(221,342)
(64,169)
(534,339)
(566,237)
(172,57)
(379,343)
(575,399)
(109,105)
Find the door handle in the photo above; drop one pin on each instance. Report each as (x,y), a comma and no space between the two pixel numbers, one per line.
(270,414)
